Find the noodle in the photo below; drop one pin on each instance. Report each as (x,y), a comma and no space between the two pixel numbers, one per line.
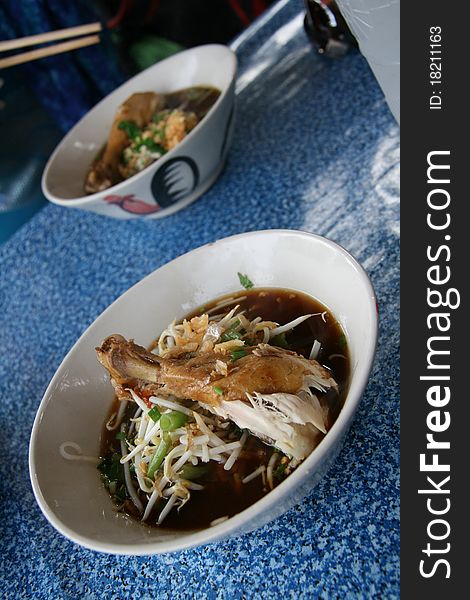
(172,449)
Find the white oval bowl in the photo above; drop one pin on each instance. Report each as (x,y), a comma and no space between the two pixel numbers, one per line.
(79,397)
(194,163)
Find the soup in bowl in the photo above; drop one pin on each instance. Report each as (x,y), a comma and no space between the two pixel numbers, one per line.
(153,145)
(225,374)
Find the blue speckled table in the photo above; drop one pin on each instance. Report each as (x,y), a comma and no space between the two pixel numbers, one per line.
(315,148)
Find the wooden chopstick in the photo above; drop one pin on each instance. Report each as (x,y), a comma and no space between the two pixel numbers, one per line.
(50,36)
(18,59)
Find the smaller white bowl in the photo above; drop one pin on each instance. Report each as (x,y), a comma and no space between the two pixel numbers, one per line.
(176,179)
(79,397)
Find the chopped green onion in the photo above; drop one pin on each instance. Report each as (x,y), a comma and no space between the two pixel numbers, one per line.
(172,420)
(159,455)
(218,390)
(192,472)
(120,435)
(237,354)
(279,340)
(231,334)
(154,414)
(130,128)
(245,281)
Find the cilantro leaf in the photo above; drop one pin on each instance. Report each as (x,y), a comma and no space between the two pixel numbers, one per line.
(152,146)
(279,473)
(130,128)
(280,341)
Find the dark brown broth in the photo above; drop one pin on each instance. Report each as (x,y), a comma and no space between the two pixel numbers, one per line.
(196,99)
(224,494)
(282,306)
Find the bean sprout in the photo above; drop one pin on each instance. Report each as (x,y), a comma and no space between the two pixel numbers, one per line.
(269,470)
(290,325)
(116,417)
(166,510)
(256,473)
(315,350)
(150,504)
(127,476)
(236,452)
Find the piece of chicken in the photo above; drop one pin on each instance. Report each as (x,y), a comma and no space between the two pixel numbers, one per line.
(266,391)
(210,377)
(138,108)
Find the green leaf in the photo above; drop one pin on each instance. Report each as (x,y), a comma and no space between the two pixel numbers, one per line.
(152,146)
(121,494)
(279,473)
(111,469)
(159,116)
(130,128)
(218,390)
(280,341)
(245,281)
(237,431)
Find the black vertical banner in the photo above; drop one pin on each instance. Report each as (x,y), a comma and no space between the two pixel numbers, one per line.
(435,267)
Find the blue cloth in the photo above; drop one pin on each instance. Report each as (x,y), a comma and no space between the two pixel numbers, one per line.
(67,84)
(315,148)
(31,136)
